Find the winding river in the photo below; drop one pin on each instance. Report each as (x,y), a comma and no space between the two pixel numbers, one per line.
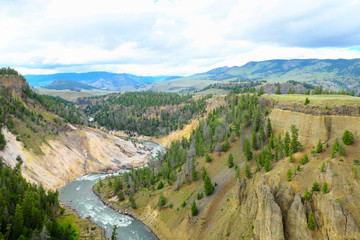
(78,194)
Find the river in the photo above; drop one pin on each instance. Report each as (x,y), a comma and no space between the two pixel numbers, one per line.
(78,194)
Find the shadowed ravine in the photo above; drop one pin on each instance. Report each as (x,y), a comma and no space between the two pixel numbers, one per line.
(78,194)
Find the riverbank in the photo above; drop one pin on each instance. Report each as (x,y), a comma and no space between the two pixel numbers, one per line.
(85,228)
(128,211)
(79,195)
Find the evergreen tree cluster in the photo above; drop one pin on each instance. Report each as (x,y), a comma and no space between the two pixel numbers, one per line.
(28,211)
(146,113)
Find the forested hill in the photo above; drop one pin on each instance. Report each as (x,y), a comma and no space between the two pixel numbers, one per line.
(30,116)
(28,211)
(146,113)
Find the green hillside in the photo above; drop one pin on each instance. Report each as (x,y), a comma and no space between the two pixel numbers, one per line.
(332,74)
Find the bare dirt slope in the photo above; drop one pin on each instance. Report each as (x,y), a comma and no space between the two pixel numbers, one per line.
(73,153)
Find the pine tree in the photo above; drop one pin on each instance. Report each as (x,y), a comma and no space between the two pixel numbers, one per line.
(161,201)
(230,161)
(18,223)
(237,172)
(289,175)
(271,141)
(307,195)
(208,187)
(311,221)
(247,149)
(120,196)
(267,163)
(114,233)
(319,147)
(132,202)
(160,185)
(254,141)
(262,133)
(287,143)
(322,169)
(304,160)
(268,127)
(291,156)
(278,89)
(347,137)
(261,91)
(194,209)
(2,140)
(208,158)
(315,187)
(324,188)
(295,144)
(247,171)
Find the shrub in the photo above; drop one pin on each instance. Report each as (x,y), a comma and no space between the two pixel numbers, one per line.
(322,169)
(161,201)
(183,204)
(305,159)
(160,185)
(132,202)
(307,101)
(208,158)
(347,137)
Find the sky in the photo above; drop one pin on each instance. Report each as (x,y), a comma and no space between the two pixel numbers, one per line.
(172,37)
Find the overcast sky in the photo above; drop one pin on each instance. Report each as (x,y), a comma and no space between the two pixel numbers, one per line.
(177,37)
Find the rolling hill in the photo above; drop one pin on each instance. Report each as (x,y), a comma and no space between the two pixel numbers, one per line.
(333,74)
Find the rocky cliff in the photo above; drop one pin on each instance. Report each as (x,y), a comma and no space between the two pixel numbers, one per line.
(314,127)
(73,153)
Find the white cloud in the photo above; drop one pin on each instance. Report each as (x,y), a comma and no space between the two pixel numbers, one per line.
(177,37)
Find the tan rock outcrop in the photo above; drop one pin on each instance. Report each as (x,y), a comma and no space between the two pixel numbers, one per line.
(338,222)
(296,221)
(268,222)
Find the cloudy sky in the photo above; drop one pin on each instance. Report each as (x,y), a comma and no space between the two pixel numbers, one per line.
(176,37)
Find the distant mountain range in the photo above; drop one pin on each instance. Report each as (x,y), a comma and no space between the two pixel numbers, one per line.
(334,74)
(103,80)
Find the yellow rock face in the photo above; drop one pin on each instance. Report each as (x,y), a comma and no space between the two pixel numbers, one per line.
(324,127)
(72,154)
